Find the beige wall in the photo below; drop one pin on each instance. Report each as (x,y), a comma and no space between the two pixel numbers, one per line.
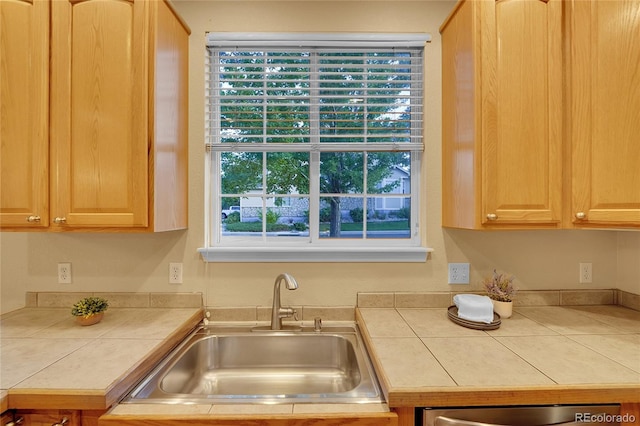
(539,259)
(629,261)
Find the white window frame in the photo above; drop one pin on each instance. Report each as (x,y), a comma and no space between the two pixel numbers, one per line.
(256,249)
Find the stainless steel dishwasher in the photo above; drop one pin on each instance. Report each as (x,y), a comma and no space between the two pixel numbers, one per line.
(524,416)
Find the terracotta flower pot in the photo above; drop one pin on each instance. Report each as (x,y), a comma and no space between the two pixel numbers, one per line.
(93,319)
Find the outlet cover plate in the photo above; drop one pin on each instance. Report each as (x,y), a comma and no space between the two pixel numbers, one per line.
(458,273)
(175,273)
(64,273)
(586,273)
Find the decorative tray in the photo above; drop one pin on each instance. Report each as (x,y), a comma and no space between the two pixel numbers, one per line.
(452,312)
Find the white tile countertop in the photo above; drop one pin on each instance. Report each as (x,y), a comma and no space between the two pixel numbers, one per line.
(546,355)
(49,361)
(542,355)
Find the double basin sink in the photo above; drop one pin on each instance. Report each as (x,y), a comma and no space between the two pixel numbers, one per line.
(220,364)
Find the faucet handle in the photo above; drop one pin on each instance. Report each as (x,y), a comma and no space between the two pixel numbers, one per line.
(288,313)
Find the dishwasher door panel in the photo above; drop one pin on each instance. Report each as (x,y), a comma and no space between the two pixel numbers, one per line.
(556,415)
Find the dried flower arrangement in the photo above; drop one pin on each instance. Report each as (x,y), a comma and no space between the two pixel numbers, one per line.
(500,287)
(89,306)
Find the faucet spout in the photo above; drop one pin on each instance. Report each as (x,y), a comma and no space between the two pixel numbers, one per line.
(277,311)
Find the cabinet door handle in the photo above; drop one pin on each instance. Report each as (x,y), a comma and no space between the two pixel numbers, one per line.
(63,422)
(33,219)
(17,421)
(59,220)
(581,215)
(492,216)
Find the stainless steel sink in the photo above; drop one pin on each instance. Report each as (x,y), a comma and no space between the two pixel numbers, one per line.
(241,364)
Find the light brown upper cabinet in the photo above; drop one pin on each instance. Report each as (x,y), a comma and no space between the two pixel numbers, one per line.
(117,135)
(24,113)
(541,114)
(605,113)
(502,114)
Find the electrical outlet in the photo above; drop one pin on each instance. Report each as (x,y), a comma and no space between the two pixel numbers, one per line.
(586,273)
(64,273)
(175,273)
(458,273)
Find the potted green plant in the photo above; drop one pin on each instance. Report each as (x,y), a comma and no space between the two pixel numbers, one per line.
(501,291)
(89,310)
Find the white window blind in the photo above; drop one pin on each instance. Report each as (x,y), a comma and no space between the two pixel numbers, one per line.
(340,99)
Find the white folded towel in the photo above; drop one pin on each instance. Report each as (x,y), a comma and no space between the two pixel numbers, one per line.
(474,307)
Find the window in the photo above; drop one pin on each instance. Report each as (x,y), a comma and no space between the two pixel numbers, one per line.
(314,150)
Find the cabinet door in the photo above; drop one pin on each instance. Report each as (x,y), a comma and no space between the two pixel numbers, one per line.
(99,109)
(24,113)
(49,417)
(606,112)
(521,104)
(6,417)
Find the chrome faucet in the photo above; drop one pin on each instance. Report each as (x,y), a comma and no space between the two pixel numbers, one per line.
(277,311)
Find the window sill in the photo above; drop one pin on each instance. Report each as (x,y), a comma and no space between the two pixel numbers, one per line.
(315,254)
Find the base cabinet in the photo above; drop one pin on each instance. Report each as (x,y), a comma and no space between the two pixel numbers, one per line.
(632,409)
(51,417)
(400,416)
(6,418)
(327,419)
(44,418)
